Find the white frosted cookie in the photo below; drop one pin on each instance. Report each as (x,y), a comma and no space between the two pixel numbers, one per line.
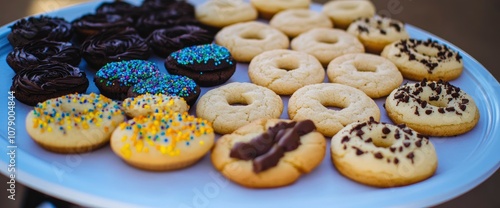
(221,13)
(268,8)
(434,108)
(327,44)
(293,22)
(383,155)
(269,153)
(377,32)
(344,12)
(148,103)
(419,59)
(236,104)
(249,39)
(312,102)
(374,75)
(285,71)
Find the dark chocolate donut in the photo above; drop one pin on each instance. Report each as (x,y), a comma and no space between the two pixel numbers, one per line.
(149,22)
(175,85)
(40,52)
(181,7)
(112,45)
(43,82)
(208,65)
(115,78)
(37,28)
(91,24)
(167,40)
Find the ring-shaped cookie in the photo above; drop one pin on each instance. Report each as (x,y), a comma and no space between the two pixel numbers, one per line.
(285,71)
(246,40)
(349,105)
(293,22)
(419,59)
(221,13)
(383,155)
(434,108)
(268,8)
(374,75)
(377,32)
(327,44)
(236,104)
(343,13)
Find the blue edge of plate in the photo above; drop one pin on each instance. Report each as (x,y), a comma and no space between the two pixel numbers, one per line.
(454,185)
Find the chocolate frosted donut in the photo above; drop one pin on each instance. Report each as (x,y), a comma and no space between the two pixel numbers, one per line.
(91,24)
(149,22)
(208,65)
(114,45)
(43,82)
(167,40)
(36,28)
(182,7)
(42,52)
(116,7)
(174,85)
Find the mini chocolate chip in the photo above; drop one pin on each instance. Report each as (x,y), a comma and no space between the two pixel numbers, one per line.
(378,155)
(369,140)
(441,110)
(463,107)
(406,144)
(465,101)
(432,85)
(433,98)
(423,104)
(345,147)
(396,161)
(416,111)
(428,112)
(400,149)
(450,109)
(386,130)
(438,90)
(383,32)
(393,149)
(418,143)
(410,156)
(358,151)
(345,139)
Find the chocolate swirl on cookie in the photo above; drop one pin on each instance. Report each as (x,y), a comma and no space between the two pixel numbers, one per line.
(116,7)
(266,149)
(47,81)
(167,40)
(149,22)
(114,45)
(92,24)
(181,7)
(42,52)
(36,28)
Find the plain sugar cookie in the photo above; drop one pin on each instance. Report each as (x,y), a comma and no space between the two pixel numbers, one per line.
(293,22)
(343,12)
(221,13)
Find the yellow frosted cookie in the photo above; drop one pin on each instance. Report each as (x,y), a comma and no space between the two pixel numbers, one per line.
(148,103)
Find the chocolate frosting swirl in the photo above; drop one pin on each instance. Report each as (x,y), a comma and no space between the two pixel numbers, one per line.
(98,22)
(167,40)
(116,7)
(114,45)
(181,7)
(42,52)
(36,28)
(53,79)
(149,22)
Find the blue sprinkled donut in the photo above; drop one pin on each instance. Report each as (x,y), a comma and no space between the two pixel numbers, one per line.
(175,85)
(114,79)
(208,64)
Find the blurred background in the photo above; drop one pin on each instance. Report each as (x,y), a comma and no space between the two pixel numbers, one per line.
(470,25)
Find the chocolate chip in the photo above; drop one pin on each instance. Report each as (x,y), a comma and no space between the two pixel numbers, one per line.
(434,98)
(383,32)
(410,156)
(345,139)
(423,104)
(450,109)
(396,161)
(393,149)
(386,130)
(428,112)
(463,107)
(441,110)
(378,155)
(358,151)
(455,94)
(418,143)
(465,101)
(406,144)
(369,140)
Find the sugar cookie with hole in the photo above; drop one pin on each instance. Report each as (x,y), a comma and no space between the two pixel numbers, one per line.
(268,8)
(249,39)
(221,13)
(285,71)
(331,106)
(434,108)
(327,44)
(237,104)
(383,155)
(344,12)
(269,153)
(419,59)
(293,22)
(374,75)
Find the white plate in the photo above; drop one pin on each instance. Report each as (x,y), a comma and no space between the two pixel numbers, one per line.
(100,178)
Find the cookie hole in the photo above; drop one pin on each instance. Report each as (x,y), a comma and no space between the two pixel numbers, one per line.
(427,51)
(252,35)
(365,67)
(333,107)
(287,64)
(237,101)
(384,143)
(328,40)
(438,103)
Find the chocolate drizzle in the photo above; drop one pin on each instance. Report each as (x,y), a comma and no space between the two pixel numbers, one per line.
(37,28)
(266,149)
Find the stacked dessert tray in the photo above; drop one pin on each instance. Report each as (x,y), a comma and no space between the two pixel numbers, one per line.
(100,178)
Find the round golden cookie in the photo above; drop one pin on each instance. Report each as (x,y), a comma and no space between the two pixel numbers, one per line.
(434,108)
(343,12)
(249,39)
(377,32)
(281,171)
(221,13)
(374,75)
(268,8)
(74,123)
(285,71)
(162,141)
(383,155)
(312,102)
(293,22)
(424,59)
(327,44)
(148,103)
(236,104)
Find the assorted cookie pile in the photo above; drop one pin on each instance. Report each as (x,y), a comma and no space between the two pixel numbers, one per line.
(142,111)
